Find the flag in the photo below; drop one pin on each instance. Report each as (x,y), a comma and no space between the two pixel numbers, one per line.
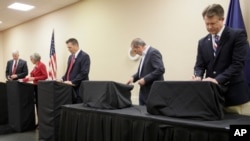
(235,20)
(52,61)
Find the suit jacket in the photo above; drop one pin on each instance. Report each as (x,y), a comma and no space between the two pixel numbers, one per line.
(21,70)
(152,70)
(227,66)
(80,68)
(39,72)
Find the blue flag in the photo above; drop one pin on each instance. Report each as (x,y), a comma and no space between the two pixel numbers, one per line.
(235,20)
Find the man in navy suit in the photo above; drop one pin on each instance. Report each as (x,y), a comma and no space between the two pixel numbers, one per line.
(16,68)
(221,58)
(151,68)
(78,67)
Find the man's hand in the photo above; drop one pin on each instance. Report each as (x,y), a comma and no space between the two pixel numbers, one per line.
(69,83)
(14,76)
(196,78)
(141,82)
(209,79)
(59,80)
(130,81)
(8,78)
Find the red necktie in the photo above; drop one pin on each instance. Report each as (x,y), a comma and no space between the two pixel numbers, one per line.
(14,68)
(72,61)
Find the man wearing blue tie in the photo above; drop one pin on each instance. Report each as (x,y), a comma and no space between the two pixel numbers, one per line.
(151,68)
(16,68)
(78,68)
(221,58)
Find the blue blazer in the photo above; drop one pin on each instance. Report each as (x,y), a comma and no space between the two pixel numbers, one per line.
(21,70)
(80,69)
(227,66)
(152,70)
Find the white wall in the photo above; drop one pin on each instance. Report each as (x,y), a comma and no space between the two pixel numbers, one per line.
(105,29)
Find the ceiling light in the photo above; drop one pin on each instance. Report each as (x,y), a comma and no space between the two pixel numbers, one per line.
(1,22)
(21,6)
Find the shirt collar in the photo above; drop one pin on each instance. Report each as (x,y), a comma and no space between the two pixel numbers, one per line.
(220,32)
(146,50)
(76,54)
(15,61)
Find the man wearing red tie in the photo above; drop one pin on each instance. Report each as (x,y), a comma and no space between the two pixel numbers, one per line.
(16,68)
(78,68)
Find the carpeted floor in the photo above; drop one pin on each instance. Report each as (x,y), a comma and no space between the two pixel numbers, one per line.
(25,136)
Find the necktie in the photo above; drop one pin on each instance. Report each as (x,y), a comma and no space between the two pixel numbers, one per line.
(72,61)
(14,68)
(216,43)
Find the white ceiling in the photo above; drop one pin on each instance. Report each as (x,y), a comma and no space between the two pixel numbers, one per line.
(12,18)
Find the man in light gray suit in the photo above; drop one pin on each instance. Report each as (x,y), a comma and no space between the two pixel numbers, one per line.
(16,68)
(151,68)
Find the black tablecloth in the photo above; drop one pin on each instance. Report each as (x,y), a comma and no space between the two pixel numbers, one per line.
(105,94)
(21,106)
(3,104)
(51,96)
(187,99)
(80,123)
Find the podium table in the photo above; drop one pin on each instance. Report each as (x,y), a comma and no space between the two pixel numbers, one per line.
(51,96)
(3,104)
(105,94)
(21,106)
(79,123)
(186,99)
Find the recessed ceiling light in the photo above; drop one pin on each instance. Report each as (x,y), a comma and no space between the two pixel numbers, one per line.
(21,6)
(1,22)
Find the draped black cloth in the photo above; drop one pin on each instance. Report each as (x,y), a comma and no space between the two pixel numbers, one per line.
(21,110)
(51,96)
(105,94)
(3,104)
(80,123)
(186,99)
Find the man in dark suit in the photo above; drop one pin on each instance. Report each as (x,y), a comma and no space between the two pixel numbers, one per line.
(16,68)
(221,57)
(78,67)
(151,68)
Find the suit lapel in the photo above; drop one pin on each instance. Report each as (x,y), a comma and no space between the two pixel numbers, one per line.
(223,39)
(18,64)
(77,58)
(11,67)
(69,59)
(210,46)
(146,59)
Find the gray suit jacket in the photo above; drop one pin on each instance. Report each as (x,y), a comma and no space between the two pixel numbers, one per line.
(152,70)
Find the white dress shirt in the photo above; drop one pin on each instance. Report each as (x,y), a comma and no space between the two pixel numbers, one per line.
(144,53)
(14,61)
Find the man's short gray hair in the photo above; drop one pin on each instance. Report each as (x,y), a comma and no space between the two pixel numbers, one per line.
(137,42)
(15,52)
